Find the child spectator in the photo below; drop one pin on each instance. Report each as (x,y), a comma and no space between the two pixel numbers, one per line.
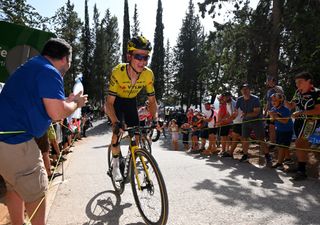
(173,127)
(185,130)
(196,127)
(284,128)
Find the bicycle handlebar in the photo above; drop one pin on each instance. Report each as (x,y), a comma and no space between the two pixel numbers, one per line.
(135,128)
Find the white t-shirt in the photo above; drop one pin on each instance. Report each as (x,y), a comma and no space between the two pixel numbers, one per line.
(76,89)
(238,119)
(210,114)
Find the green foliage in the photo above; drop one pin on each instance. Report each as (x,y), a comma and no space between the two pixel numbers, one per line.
(170,95)
(68,26)
(126,31)
(242,49)
(19,12)
(255,43)
(157,63)
(86,45)
(106,53)
(188,59)
(136,24)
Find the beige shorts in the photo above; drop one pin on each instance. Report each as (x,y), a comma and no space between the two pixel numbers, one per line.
(22,168)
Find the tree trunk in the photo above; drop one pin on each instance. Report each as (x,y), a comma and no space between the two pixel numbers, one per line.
(275,39)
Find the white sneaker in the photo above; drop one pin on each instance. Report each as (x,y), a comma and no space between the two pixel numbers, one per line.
(116,174)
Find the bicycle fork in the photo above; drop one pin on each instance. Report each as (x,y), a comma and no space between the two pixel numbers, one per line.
(145,168)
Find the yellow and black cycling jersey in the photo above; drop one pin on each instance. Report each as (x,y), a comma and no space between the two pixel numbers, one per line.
(120,83)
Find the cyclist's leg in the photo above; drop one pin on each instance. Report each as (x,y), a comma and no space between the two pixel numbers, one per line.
(115,143)
(118,108)
(130,113)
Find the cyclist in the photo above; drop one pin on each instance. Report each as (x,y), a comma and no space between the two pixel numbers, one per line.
(126,81)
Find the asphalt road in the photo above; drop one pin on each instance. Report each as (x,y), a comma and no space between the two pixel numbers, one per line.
(201,190)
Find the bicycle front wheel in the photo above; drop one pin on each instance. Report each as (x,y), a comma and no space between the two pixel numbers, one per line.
(149,189)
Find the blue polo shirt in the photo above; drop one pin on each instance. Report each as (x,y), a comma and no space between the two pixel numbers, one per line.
(283,112)
(21,105)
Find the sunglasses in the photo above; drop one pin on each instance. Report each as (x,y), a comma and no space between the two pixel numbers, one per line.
(141,57)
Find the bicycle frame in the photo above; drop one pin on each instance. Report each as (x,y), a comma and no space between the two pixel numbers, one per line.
(132,148)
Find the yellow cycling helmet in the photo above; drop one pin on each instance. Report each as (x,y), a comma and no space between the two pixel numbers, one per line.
(139,43)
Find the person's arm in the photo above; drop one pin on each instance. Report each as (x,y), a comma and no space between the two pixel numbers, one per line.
(153,106)
(277,116)
(58,109)
(255,113)
(109,106)
(311,112)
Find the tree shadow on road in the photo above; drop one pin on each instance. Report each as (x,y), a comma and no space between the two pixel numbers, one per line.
(300,200)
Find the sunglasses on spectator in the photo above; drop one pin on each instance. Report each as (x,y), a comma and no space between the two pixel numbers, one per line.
(141,57)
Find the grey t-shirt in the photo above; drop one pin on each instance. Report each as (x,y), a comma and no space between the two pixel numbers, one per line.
(247,106)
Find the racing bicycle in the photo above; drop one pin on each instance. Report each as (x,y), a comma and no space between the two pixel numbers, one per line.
(140,168)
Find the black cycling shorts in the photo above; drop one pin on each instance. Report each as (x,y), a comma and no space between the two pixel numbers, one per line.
(305,128)
(126,111)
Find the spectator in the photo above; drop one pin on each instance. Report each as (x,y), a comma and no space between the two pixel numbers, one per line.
(173,127)
(189,115)
(236,117)
(32,97)
(196,127)
(284,128)
(224,121)
(272,89)
(55,149)
(210,118)
(66,136)
(307,102)
(76,116)
(251,114)
(86,112)
(185,130)
(43,145)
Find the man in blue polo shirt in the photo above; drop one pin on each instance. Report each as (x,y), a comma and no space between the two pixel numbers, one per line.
(32,97)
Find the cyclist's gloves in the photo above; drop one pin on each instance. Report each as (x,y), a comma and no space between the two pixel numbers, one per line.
(116,127)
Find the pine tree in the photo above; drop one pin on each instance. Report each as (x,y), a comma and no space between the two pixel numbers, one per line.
(106,52)
(126,31)
(170,94)
(68,27)
(157,64)
(87,52)
(136,24)
(188,59)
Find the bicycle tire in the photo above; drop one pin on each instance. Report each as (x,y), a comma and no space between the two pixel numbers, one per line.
(118,186)
(154,135)
(145,143)
(149,189)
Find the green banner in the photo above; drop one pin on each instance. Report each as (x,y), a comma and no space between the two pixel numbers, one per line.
(18,44)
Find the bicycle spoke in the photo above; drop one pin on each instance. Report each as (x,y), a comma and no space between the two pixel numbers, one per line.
(150,197)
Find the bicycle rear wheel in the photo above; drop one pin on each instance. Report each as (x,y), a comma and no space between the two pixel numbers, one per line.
(151,197)
(118,186)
